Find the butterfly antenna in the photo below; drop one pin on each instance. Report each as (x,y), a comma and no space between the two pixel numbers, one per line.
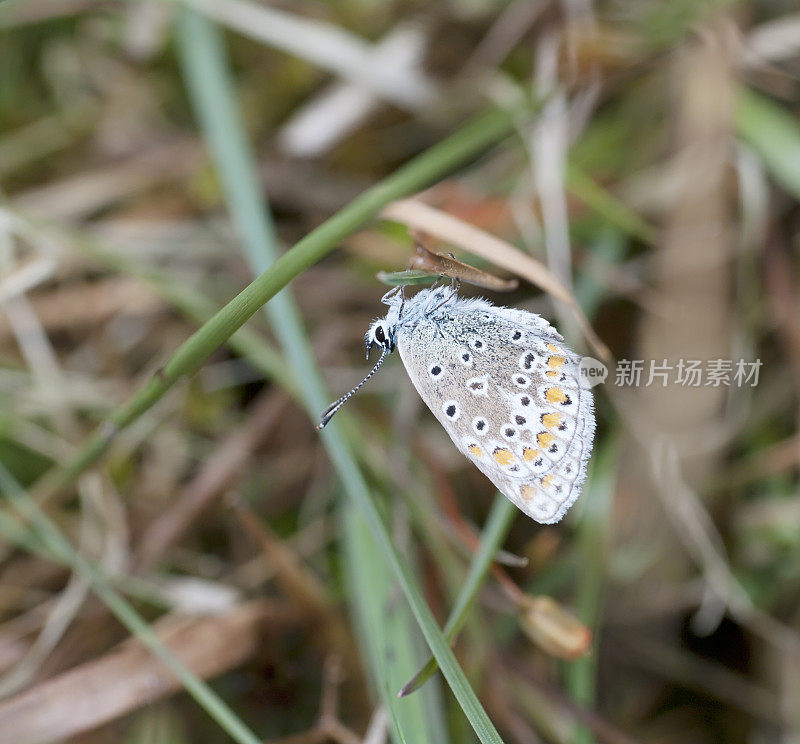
(336,405)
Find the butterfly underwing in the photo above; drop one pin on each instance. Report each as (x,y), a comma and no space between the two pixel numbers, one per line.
(503,385)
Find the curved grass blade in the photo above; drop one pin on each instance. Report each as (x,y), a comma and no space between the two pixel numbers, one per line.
(206,69)
(436,162)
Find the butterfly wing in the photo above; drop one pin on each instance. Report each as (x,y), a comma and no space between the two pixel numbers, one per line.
(505,388)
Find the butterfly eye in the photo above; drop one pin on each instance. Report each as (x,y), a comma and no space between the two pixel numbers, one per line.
(380,335)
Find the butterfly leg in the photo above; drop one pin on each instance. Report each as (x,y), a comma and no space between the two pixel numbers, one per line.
(391,293)
(455,282)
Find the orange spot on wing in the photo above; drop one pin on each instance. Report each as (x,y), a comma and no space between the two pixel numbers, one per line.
(545,439)
(547,481)
(556,361)
(555,395)
(552,373)
(528,492)
(553,347)
(475,451)
(529,454)
(551,420)
(503,456)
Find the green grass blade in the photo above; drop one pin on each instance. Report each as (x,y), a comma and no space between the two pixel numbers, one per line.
(206,69)
(773,134)
(407,278)
(492,537)
(608,206)
(386,634)
(47,533)
(440,647)
(211,90)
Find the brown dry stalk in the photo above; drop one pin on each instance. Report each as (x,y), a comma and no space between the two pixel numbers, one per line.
(87,305)
(692,261)
(84,194)
(217,474)
(305,591)
(130,677)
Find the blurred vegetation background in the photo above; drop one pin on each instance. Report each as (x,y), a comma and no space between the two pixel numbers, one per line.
(189,560)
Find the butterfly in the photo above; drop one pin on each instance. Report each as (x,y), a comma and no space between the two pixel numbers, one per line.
(504,387)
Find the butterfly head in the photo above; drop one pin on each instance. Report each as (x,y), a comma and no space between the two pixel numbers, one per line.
(404,312)
(383,334)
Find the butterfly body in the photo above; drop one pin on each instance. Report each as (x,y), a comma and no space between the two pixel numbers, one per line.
(504,387)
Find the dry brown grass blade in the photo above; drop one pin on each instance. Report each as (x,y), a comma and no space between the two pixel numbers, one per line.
(87,192)
(419,216)
(130,677)
(218,473)
(439,263)
(515,675)
(86,305)
(305,592)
